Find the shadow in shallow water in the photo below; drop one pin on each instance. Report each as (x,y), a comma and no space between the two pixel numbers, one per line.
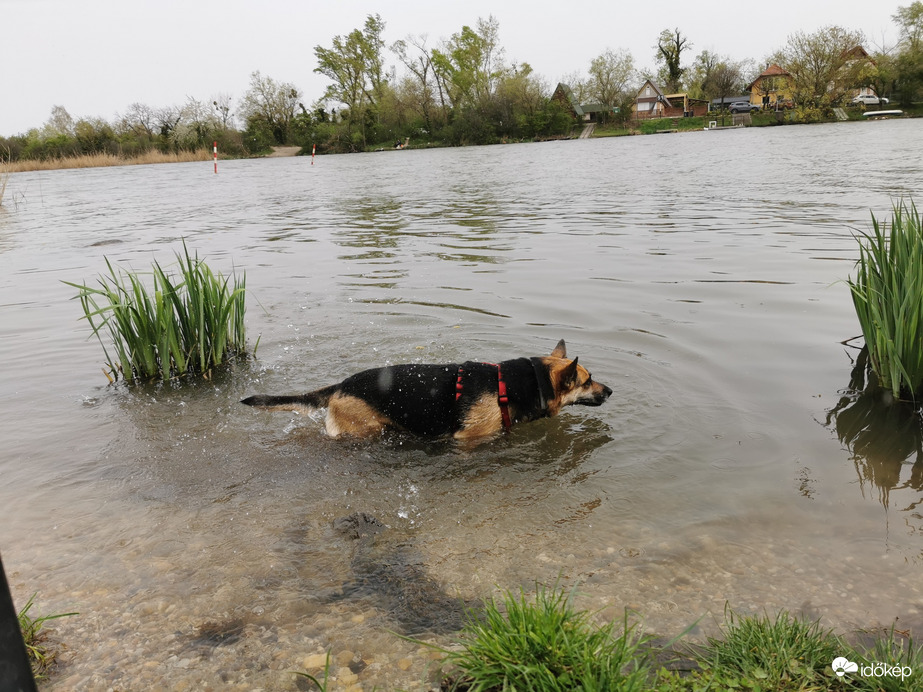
(393,578)
(884,436)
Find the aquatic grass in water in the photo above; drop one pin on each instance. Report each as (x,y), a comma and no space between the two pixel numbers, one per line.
(888,296)
(189,326)
(40,656)
(546,645)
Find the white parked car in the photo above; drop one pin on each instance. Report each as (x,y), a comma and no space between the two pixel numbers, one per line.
(869,100)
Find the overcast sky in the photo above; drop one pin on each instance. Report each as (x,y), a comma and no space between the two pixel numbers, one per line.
(96,57)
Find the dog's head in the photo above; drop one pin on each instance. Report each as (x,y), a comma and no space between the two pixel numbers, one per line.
(573,383)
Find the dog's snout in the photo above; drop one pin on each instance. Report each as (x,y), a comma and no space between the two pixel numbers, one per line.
(606,392)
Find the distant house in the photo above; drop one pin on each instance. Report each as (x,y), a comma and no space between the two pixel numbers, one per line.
(586,112)
(651,102)
(772,88)
(564,95)
(859,63)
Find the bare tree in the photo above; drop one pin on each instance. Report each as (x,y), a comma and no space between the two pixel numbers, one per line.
(140,119)
(418,59)
(221,103)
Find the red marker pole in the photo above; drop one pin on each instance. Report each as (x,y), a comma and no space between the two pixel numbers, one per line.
(313,149)
(216,158)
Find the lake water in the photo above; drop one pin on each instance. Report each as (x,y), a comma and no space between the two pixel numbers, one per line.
(698,275)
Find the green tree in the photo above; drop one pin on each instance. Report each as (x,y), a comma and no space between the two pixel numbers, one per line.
(355,66)
(908,64)
(468,68)
(612,77)
(95,135)
(670,47)
(701,75)
(268,108)
(823,65)
(521,98)
(716,76)
(470,64)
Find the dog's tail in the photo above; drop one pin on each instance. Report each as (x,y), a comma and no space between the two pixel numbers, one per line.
(302,403)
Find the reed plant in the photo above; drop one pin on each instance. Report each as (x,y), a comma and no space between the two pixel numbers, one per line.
(186,324)
(101,159)
(888,296)
(546,645)
(4,175)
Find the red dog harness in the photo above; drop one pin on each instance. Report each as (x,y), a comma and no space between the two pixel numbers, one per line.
(502,398)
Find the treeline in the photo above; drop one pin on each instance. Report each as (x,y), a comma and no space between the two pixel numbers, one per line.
(140,130)
(464,91)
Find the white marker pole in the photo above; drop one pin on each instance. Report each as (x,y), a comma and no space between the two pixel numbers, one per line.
(216,158)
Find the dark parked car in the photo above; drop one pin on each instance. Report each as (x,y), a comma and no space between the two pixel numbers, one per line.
(743,107)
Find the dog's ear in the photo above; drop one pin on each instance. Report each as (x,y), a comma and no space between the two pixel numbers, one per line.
(569,375)
(560,351)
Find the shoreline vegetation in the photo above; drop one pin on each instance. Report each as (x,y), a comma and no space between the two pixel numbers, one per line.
(542,642)
(642,127)
(102,159)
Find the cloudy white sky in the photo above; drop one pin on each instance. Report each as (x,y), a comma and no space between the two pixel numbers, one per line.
(96,57)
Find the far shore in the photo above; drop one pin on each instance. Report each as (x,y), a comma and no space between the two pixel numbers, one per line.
(206,154)
(100,160)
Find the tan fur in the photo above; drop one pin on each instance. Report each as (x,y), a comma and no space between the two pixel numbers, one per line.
(571,383)
(483,419)
(349,415)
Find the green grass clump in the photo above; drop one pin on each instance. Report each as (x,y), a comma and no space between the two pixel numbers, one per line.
(894,651)
(888,296)
(189,325)
(790,654)
(784,653)
(546,646)
(40,656)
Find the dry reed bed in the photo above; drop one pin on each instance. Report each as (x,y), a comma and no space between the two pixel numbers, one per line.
(105,159)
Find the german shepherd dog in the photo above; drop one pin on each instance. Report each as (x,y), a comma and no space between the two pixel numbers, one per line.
(468,401)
